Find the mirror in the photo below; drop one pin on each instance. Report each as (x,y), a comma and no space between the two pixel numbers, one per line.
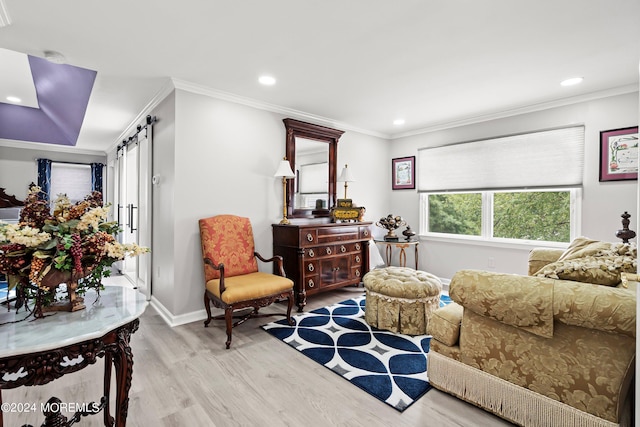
(311,150)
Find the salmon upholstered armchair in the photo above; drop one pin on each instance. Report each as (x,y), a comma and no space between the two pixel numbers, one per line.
(232,278)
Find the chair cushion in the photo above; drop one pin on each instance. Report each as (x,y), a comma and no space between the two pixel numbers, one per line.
(228,239)
(249,287)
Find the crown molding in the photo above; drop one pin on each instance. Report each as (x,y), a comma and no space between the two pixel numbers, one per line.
(621,90)
(300,115)
(26,145)
(5,19)
(141,117)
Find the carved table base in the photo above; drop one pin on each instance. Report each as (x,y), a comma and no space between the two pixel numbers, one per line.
(43,367)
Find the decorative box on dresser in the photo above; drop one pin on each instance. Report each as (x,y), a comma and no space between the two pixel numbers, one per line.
(319,257)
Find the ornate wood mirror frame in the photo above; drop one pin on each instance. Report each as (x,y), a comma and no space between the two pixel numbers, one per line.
(298,129)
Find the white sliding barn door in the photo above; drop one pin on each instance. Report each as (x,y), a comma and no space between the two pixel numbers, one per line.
(133,195)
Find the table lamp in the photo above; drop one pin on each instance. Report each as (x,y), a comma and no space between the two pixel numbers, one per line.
(284,171)
(345,176)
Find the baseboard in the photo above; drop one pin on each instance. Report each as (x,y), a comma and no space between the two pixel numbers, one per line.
(173,320)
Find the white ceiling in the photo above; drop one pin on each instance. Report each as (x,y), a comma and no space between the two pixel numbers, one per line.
(355,64)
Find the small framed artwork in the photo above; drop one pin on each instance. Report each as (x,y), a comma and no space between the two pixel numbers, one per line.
(619,154)
(403,173)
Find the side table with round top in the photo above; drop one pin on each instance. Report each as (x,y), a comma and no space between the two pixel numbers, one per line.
(401,299)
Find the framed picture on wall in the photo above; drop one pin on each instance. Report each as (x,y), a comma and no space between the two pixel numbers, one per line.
(619,154)
(403,173)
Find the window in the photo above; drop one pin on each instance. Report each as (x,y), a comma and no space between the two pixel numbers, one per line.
(71,179)
(540,216)
(523,187)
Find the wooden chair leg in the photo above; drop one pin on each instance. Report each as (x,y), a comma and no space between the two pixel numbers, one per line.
(207,306)
(290,299)
(228,317)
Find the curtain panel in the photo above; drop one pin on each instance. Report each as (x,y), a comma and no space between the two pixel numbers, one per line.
(44,178)
(96,176)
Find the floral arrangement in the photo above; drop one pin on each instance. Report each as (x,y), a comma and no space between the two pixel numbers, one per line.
(74,244)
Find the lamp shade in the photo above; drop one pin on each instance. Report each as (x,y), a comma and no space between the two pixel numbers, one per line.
(345,175)
(284,170)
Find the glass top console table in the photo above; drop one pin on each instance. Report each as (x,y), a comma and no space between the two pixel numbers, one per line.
(36,352)
(402,255)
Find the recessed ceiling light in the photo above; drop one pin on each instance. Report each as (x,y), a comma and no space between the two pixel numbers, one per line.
(14,99)
(267,80)
(398,122)
(572,81)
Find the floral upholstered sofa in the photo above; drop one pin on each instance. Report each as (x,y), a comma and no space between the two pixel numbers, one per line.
(555,348)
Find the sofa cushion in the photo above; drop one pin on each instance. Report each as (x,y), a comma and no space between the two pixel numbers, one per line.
(445,324)
(522,301)
(595,307)
(593,261)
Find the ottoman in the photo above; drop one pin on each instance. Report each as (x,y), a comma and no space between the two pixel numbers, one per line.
(400,299)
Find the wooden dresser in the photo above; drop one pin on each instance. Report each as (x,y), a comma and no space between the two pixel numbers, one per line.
(320,257)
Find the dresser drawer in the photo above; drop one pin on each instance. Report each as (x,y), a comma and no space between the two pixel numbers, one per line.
(308,237)
(311,282)
(356,259)
(310,267)
(338,234)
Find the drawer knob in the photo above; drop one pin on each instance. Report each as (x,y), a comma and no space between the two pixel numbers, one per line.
(310,237)
(328,251)
(311,284)
(310,267)
(357,258)
(342,248)
(311,253)
(357,273)
(357,246)
(366,233)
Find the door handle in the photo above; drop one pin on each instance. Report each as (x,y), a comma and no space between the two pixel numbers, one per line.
(131,208)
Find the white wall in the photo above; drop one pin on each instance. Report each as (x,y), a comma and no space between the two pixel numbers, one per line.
(602,205)
(219,157)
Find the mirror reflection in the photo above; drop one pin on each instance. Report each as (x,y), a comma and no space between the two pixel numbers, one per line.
(312,174)
(313,150)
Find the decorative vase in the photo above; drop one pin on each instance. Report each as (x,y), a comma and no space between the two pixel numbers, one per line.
(391,223)
(408,234)
(55,278)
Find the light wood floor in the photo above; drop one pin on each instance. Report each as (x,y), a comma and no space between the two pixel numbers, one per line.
(183,376)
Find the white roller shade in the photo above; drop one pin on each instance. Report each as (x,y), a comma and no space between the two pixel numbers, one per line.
(550,158)
(71,179)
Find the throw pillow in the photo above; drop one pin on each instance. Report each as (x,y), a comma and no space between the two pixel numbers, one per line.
(593,261)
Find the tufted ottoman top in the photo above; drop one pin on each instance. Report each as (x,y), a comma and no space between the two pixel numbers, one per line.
(402,282)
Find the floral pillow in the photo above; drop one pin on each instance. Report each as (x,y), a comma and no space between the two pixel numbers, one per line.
(593,261)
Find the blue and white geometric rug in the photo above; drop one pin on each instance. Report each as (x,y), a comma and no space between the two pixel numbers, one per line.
(392,367)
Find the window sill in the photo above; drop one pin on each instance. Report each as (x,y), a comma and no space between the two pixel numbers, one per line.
(495,243)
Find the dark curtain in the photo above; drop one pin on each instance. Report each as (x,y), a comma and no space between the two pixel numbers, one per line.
(44,178)
(96,176)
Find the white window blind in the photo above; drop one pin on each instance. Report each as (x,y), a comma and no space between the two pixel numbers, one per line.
(74,180)
(551,158)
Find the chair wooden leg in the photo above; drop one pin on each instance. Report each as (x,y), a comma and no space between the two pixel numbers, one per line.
(207,306)
(290,299)
(228,317)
